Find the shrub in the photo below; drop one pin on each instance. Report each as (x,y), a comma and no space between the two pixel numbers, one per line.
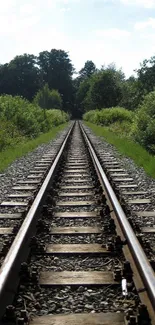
(9,134)
(48,99)
(108,116)
(20,119)
(144,125)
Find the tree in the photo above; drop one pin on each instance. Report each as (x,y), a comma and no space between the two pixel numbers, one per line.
(105,90)
(56,69)
(20,76)
(132,93)
(88,69)
(48,99)
(146,75)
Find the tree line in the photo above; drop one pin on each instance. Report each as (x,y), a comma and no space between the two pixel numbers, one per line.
(47,79)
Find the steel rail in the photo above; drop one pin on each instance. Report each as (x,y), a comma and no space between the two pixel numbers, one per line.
(146,272)
(18,252)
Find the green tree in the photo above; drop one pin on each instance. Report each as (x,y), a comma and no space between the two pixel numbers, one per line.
(105,90)
(146,75)
(48,99)
(20,77)
(56,69)
(88,69)
(132,93)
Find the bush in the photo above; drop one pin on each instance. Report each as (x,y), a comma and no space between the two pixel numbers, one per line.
(48,99)
(108,116)
(144,125)
(9,134)
(20,119)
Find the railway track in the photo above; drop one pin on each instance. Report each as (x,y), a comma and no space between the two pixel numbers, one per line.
(84,262)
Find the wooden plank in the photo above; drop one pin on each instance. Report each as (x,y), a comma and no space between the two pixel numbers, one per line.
(111,163)
(77,160)
(76,249)
(134,193)
(40,168)
(150,230)
(119,174)
(42,164)
(76,175)
(75,203)
(20,195)
(80,214)
(37,172)
(73,278)
(72,180)
(44,161)
(75,230)
(145,213)
(34,176)
(71,194)
(76,164)
(139,201)
(6,231)
(82,319)
(27,181)
(13,204)
(127,185)
(76,187)
(129,179)
(113,170)
(24,188)
(78,170)
(10,215)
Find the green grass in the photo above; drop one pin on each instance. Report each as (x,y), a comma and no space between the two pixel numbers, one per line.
(127,147)
(10,154)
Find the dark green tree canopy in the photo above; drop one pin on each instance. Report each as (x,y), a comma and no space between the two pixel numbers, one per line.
(20,76)
(88,69)
(56,69)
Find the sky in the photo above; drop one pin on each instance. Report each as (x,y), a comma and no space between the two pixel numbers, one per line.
(104,31)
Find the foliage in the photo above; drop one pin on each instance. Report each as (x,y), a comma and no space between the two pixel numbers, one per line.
(146,75)
(20,119)
(108,116)
(8,155)
(56,70)
(132,93)
(101,89)
(144,126)
(46,98)
(26,74)
(88,69)
(9,134)
(20,76)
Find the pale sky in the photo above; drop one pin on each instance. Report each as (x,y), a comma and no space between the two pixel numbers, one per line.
(104,31)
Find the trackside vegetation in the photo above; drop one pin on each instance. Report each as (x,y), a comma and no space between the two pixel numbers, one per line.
(132,133)
(24,125)
(18,150)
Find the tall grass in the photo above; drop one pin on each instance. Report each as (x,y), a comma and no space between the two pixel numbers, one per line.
(127,147)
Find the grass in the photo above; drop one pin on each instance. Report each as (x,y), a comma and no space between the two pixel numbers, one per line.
(128,148)
(10,154)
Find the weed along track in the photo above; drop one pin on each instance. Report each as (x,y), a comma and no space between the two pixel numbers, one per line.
(78,256)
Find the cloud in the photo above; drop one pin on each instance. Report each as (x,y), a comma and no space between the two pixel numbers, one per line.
(141,3)
(150,22)
(112,33)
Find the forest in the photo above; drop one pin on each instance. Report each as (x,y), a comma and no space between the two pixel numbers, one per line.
(38,92)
